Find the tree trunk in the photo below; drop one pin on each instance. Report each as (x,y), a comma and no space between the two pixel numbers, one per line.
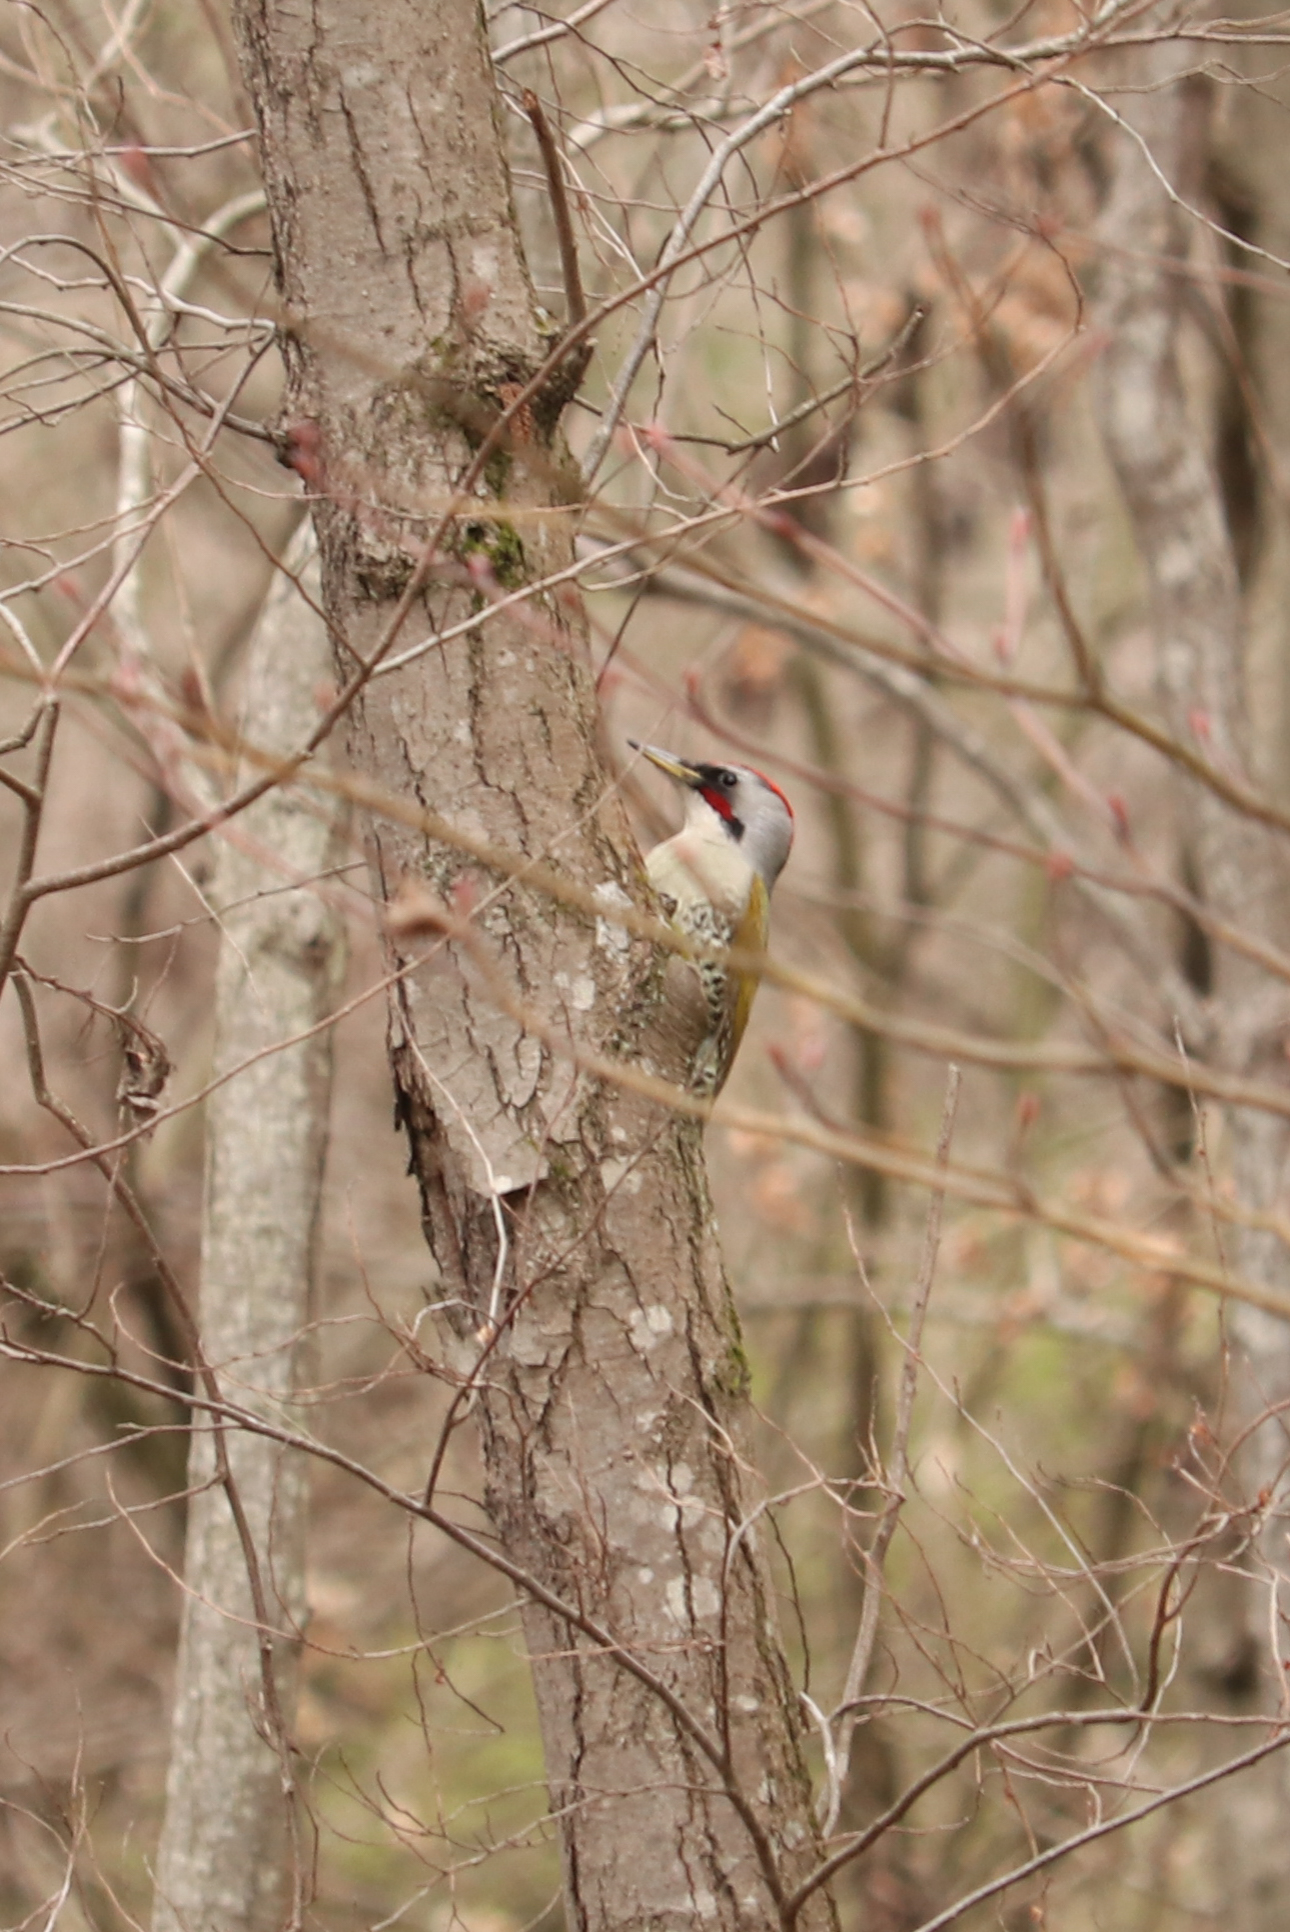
(1175,507)
(1254,202)
(611,1379)
(222,1864)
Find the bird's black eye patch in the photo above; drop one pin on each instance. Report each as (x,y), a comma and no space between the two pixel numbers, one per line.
(717,778)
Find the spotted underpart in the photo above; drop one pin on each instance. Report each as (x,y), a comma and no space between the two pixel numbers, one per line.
(715,877)
(701,922)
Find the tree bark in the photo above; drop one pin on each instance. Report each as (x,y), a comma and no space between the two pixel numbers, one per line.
(601,1334)
(1175,507)
(222,1863)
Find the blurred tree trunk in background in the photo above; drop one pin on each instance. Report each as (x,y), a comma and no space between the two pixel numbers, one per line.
(939,464)
(1172,495)
(570,1222)
(1249,185)
(221,1864)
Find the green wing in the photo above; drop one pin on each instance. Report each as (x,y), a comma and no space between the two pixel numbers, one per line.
(749,935)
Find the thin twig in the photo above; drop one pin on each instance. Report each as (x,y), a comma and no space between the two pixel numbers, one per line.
(836,1862)
(119,1187)
(227,1414)
(33,806)
(984,1187)
(898,1462)
(224,1414)
(575,300)
(850,384)
(938,1041)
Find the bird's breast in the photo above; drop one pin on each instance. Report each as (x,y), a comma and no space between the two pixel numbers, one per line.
(689,868)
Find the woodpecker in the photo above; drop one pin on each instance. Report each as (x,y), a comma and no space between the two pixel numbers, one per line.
(715,879)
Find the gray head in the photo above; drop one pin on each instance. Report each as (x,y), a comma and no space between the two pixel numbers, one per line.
(750,807)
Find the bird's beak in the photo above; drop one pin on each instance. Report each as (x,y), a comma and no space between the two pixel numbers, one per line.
(675,767)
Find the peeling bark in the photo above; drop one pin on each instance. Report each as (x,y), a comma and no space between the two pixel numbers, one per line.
(612,1383)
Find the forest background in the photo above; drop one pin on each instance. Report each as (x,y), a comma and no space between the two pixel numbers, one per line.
(923,439)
